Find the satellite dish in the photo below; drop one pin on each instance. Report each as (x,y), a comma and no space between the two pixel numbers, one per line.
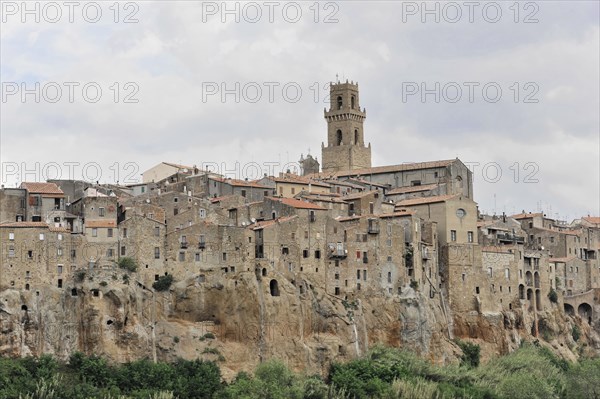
(253,220)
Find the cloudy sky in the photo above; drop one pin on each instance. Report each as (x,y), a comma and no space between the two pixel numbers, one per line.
(512,89)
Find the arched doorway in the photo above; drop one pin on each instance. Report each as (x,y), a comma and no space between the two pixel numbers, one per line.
(585,312)
(274,286)
(569,310)
(521,291)
(536,279)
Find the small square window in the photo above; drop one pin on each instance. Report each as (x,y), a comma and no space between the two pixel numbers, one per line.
(94,232)
(11,236)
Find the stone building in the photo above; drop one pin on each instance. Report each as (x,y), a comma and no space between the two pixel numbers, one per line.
(345,150)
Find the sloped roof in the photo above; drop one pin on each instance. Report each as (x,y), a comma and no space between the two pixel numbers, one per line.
(45,189)
(412,189)
(268,223)
(100,223)
(426,200)
(392,168)
(24,224)
(296,203)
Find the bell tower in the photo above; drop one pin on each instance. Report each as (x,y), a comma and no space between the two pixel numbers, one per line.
(345,148)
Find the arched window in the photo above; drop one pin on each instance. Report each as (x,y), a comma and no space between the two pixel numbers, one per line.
(339,137)
(352,101)
(274,288)
(339,102)
(264,271)
(355,136)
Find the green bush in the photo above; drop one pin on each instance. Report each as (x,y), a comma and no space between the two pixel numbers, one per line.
(163,283)
(80,276)
(471,354)
(553,296)
(127,263)
(576,332)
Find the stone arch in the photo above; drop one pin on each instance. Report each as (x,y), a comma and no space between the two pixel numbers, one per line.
(528,278)
(585,312)
(521,291)
(274,287)
(352,102)
(530,298)
(569,309)
(536,279)
(338,137)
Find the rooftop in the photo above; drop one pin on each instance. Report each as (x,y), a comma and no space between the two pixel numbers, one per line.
(296,203)
(45,189)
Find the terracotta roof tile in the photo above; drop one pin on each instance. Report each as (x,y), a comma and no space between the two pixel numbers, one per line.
(562,260)
(392,168)
(295,179)
(100,223)
(592,219)
(268,223)
(24,224)
(241,183)
(426,200)
(355,196)
(296,203)
(49,189)
(526,215)
(412,189)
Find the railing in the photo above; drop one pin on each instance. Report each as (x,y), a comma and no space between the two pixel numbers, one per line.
(184,245)
(201,245)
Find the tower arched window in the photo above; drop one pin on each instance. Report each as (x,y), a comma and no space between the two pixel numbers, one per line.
(339,137)
(339,102)
(352,101)
(355,136)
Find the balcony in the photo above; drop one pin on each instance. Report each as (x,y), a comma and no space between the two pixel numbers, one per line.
(510,238)
(373,227)
(184,245)
(201,245)
(336,250)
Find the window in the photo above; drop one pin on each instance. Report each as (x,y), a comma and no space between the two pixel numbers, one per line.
(358,274)
(59,269)
(469,236)
(94,232)
(156,252)
(11,252)
(123,250)
(293,189)
(477,290)
(389,258)
(41,236)
(109,233)
(175,211)
(337,276)
(202,213)
(507,273)
(357,254)
(285,251)
(224,256)
(197,258)
(305,253)
(59,237)
(181,256)
(59,251)
(60,283)
(156,231)
(175,199)
(490,272)
(244,193)
(317,254)
(365,275)
(389,277)
(109,253)
(11,236)
(101,211)
(436,174)
(73,254)
(552,239)
(453,235)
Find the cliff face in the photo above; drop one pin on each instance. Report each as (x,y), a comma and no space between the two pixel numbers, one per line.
(238,322)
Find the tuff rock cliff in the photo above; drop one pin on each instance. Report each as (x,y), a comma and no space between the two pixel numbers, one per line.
(240,322)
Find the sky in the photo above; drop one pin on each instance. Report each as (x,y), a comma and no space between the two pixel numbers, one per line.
(102,91)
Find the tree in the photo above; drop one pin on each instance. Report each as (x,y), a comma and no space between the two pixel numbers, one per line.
(163,283)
